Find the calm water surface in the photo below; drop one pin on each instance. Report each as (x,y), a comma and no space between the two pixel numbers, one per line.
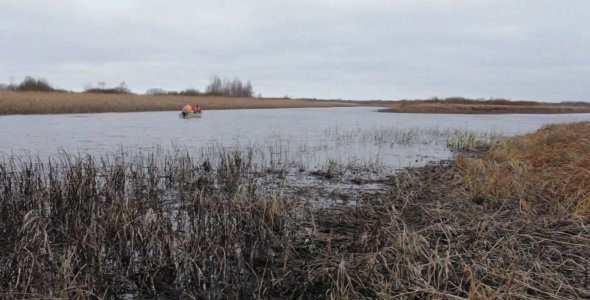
(307,135)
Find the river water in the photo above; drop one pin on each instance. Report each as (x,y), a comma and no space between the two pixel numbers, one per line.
(309,136)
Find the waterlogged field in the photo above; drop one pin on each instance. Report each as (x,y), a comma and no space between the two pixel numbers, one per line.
(323,155)
(262,204)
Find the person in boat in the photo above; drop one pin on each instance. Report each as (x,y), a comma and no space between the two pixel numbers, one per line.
(187,108)
(197,108)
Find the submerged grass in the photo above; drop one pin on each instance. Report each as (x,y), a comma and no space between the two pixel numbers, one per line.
(174,225)
(454,139)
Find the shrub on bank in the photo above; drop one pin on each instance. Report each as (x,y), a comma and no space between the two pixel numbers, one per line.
(29,84)
(162,92)
(122,88)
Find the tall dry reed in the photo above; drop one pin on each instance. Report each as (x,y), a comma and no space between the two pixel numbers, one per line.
(53,103)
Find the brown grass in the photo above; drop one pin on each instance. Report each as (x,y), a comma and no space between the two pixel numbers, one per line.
(484,108)
(49,103)
(56,102)
(178,226)
(546,172)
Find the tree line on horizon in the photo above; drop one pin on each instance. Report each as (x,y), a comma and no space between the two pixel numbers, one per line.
(216,87)
(236,88)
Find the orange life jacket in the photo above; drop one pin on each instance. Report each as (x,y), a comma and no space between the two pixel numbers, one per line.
(188,108)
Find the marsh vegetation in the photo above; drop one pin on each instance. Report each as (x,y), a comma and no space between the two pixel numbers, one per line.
(236,223)
(54,103)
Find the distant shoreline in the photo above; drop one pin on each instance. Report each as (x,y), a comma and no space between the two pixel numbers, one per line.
(489,111)
(12,103)
(498,106)
(24,103)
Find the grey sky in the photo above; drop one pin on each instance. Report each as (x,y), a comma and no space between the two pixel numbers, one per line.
(364,49)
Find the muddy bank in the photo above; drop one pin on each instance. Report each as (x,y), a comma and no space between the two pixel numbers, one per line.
(427,237)
(488,249)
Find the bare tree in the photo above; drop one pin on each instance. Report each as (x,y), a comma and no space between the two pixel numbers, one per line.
(215,86)
(230,88)
(123,88)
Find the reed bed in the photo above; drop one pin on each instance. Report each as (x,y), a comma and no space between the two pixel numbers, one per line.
(53,103)
(176,225)
(141,226)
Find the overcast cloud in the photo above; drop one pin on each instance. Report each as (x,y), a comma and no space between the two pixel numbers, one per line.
(365,49)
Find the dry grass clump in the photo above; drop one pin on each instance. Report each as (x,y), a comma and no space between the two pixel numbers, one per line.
(546,172)
(425,240)
(52,103)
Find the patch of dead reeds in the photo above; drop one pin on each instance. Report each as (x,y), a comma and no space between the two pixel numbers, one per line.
(546,172)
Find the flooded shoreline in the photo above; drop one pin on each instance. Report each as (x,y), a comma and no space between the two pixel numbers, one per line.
(350,210)
(317,134)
